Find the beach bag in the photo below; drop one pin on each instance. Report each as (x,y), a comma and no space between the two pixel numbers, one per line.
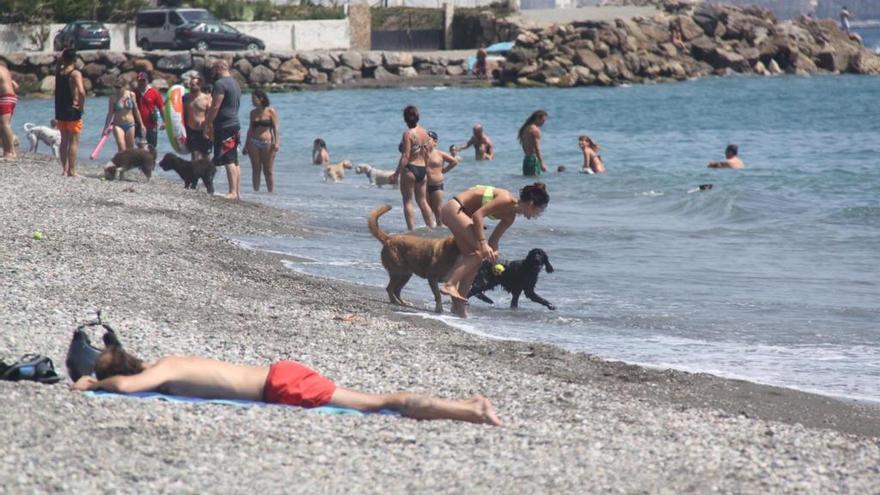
(32,367)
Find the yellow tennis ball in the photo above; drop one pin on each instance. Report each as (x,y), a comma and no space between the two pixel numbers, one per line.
(498,268)
(38,236)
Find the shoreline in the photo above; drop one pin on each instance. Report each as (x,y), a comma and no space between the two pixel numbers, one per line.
(160,263)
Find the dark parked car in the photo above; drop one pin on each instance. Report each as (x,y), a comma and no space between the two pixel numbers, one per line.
(214,36)
(82,35)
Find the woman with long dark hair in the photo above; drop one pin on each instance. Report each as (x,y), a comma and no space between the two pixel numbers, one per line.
(263,140)
(412,169)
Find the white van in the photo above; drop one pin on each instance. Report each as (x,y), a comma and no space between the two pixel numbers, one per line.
(154,28)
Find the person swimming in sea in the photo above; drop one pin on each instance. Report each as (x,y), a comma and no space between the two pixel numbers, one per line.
(731,159)
(320,155)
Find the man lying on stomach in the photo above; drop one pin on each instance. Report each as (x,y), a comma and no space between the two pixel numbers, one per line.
(285,382)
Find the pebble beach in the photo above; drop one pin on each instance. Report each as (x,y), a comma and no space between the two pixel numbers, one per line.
(160,263)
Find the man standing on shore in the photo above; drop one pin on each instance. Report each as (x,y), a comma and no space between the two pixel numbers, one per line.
(70,97)
(844,19)
(197,104)
(151,106)
(222,125)
(530,139)
(7,109)
(483,148)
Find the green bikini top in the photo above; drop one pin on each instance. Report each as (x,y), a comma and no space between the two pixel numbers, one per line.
(488,196)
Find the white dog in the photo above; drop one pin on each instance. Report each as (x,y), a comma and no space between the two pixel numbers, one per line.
(376,176)
(336,172)
(48,135)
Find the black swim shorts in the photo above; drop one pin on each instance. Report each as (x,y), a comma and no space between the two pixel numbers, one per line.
(226,142)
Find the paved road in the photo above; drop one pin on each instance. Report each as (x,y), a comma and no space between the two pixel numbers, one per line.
(545,17)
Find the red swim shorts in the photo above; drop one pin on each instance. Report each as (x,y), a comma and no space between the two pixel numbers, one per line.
(297,385)
(70,125)
(7,104)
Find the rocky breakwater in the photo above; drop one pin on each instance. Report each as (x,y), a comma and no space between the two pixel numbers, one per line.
(713,40)
(35,72)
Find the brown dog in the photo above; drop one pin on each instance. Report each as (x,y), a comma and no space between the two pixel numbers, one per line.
(142,158)
(406,254)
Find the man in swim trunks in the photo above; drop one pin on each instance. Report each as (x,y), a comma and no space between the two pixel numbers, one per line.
(284,382)
(483,148)
(731,159)
(7,109)
(70,97)
(151,106)
(222,125)
(197,105)
(530,139)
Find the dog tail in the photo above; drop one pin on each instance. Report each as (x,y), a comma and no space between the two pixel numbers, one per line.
(373,222)
(28,126)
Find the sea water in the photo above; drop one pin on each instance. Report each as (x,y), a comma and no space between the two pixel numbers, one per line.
(770,276)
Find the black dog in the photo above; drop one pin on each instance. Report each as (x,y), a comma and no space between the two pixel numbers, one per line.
(191,171)
(518,277)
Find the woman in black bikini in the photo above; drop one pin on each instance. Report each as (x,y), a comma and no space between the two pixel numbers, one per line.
(411,169)
(262,140)
(123,116)
(464,214)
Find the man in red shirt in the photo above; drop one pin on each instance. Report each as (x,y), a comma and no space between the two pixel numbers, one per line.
(151,106)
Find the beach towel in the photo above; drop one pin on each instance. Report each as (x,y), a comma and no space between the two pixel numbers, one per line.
(231,402)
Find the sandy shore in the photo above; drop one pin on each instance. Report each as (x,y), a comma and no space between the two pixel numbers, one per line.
(156,259)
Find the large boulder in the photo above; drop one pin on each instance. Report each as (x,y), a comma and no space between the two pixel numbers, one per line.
(407,72)
(831,60)
(722,58)
(865,62)
(309,59)
(16,59)
(178,62)
(326,62)
(589,59)
(244,66)
(394,60)
(708,18)
(372,59)
(344,74)
(382,74)
(352,60)
(47,85)
(261,75)
(690,30)
(93,70)
(142,65)
(292,71)
(40,60)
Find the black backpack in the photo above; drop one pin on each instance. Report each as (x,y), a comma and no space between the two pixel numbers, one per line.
(33,367)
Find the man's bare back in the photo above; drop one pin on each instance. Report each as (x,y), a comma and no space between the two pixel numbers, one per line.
(531,139)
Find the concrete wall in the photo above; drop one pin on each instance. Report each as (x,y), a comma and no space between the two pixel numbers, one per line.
(279,36)
(321,35)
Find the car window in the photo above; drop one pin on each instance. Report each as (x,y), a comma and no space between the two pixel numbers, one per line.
(212,28)
(91,26)
(197,15)
(176,19)
(151,19)
(226,28)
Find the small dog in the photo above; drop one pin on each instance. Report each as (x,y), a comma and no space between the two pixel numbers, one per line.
(377,177)
(518,277)
(50,136)
(404,255)
(191,171)
(125,160)
(336,173)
